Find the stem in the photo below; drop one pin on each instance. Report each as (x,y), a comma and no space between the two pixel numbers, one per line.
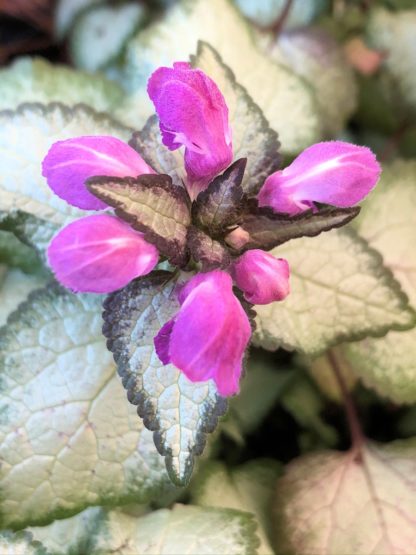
(277,27)
(356,432)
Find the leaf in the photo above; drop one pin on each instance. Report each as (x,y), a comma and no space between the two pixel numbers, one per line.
(68,439)
(16,254)
(19,543)
(36,80)
(220,205)
(25,137)
(150,204)
(184,529)
(332,503)
(206,250)
(100,34)
(388,223)
(340,290)
(286,100)
(267,12)
(179,412)
(252,136)
(315,55)
(393,32)
(267,230)
(66,13)
(15,286)
(31,231)
(249,487)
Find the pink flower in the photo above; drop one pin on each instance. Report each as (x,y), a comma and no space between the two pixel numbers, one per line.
(262,277)
(333,172)
(100,254)
(208,336)
(193,113)
(97,254)
(70,163)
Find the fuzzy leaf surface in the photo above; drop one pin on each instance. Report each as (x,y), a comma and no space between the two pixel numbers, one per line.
(268,230)
(332,503)
(15,286)
(220,204)
(68,437)
(183,529)
(20,543)
(387,221)
(179,412)
(340,290)
(25,137)
(287,100)
(150,204)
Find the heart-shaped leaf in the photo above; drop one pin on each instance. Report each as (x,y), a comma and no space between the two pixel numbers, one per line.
(340,290)
(151,204)
(68,438)
(179,412)
(266,230)
(219,206)
(334,503)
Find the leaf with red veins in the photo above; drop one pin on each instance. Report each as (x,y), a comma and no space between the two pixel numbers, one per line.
(333,503)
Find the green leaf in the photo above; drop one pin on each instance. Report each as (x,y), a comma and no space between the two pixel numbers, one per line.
(100,34)
(179,412)
(15,286)
(265,230)
(68,439)
(388,223)
(334,503)
(316,56)
(286,100)
(36,80)
(25,138)
(183,529)
(340,290)
(15,253)
(393,32)
(151,204)
(20,543)
(220,205)
(31,231)
(206,250)
(249,487)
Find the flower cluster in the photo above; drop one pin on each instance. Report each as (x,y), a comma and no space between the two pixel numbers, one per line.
(101,253)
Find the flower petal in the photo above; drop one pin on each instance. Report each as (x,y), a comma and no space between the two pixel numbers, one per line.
(336,173)
(208,337)
(70,163)
(262,277)
(193,113)
(100,254)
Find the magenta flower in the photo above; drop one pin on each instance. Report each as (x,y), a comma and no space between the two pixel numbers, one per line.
(70,163)
(97,254)
(334,172)
(100,254)
(262,277)
(208,336)
(193,113)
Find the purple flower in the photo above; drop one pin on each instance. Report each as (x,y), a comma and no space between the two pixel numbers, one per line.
(193,113)
(97,254)
(262,277)
(70,163)
(334,172)
(208,336)
(100,254)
